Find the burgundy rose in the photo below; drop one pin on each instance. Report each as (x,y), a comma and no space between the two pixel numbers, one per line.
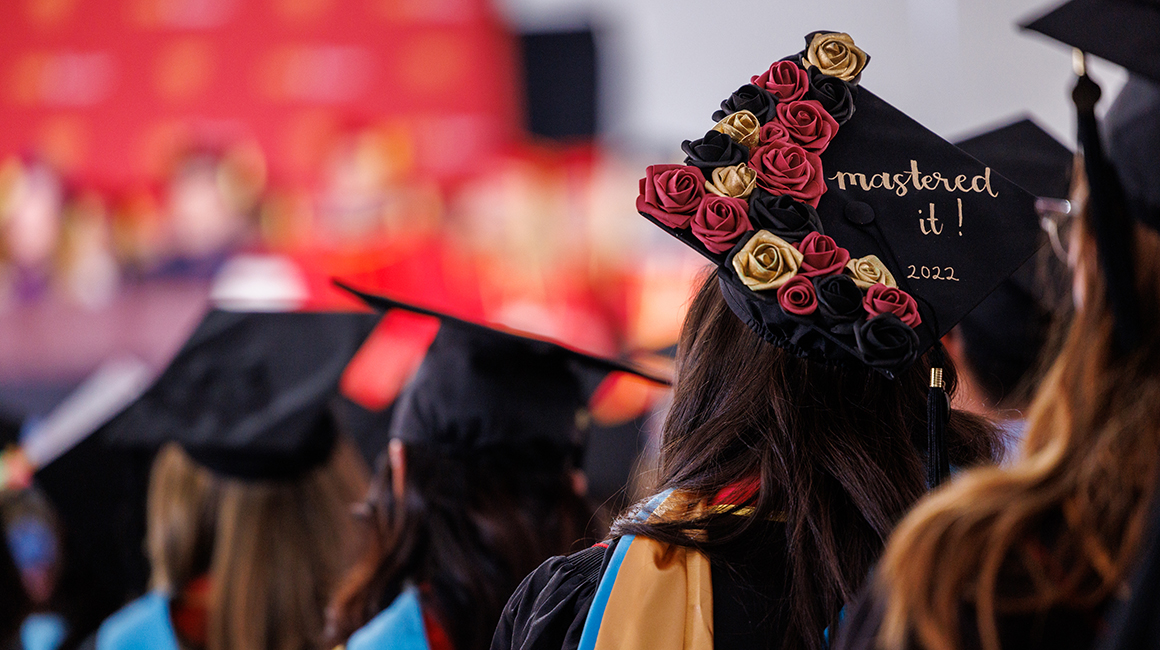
(808,124)
(720,221)
(774,131)
(671,194)
(785,168)
(821,256)
(785,80)
(881,299)
(797,296)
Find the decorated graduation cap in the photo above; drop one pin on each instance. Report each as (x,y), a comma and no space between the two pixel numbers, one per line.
(250,395)
(1004,335)
(1124,179)
(483,386)
(843,230)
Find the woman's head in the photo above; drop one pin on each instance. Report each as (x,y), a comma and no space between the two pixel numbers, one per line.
(837,450)
(272,550)
(1077,496)
(465,527)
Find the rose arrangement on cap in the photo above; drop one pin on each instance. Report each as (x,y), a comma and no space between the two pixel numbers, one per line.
(748,192)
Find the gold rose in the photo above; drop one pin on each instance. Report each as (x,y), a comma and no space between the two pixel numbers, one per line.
(869,271)
(736,180)
(742,126)
(836,55)
(766,261)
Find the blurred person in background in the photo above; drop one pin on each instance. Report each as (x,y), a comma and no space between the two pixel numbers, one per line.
(1002,347)
(31,199)
(32,534)
(249,511)
(479,484)
(1036,556)
(15,604)
(807,392)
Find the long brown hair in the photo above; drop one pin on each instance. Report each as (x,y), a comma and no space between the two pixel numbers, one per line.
(467,529)
(1075,503)
(273,550)
(838,452)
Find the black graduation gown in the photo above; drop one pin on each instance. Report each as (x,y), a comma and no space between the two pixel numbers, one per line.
(548,610)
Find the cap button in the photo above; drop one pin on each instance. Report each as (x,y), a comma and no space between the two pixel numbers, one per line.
(859,212)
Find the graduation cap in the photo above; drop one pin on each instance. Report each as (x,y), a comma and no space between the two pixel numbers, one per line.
(250,395)
(1004,335)
(483,385)
(843,230)
(1124,179)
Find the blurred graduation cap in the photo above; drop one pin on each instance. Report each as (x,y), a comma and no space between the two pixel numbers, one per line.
(1004,335)
(1123,179)
(805,176)
(483,385)
(250,395)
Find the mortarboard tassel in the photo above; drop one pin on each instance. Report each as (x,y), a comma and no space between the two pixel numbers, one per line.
(937,413)
(1109,212)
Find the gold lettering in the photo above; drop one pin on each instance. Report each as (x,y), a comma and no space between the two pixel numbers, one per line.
(900,184)
(881,180)
(959,183)
(854,178)
(938,178)
(987,173)
(927,184)
(914,175)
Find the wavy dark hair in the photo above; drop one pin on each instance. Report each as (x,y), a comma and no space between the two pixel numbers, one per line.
(839,452)
(467,529)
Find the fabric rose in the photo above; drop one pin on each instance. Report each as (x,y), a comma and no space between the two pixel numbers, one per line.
(881,299)
(808,124)
(720,221)
(785,80)
(742,126)
(869,271)
(671,194)
(773,132)
(786,168)
(821,256)
(835,95)
(766,261)
(839,299)
(712,151)
(783,216)
(835,54)
(797,296)
(886,342)
(748,98)
(738,181)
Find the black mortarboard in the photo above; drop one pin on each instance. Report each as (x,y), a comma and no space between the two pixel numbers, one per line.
(1123,181)
(250,395)
(1026,155)
(484,385)
(844,231)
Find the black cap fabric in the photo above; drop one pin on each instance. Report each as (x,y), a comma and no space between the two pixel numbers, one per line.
(1026,155)
(1121,31)
(947,228)
(484,386)
(249,395)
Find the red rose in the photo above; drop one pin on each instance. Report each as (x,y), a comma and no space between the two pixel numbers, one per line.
(720,221)
(881,299)
(808,124)
(821,256)
(785,168)
(671,194)
(774,131)
(797,296)
(784,80)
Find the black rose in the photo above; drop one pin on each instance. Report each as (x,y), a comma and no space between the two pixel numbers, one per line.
(781,215)
(712,151)
(835,95)
(750,98)
(886,342)
(839,299)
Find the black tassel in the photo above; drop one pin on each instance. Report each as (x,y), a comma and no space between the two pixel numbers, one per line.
(1108,209)
(938,410)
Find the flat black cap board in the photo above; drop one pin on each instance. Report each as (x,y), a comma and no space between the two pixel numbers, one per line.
(250,395)
(844,230)
(1025,154)
(484,386)
(1121,31)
